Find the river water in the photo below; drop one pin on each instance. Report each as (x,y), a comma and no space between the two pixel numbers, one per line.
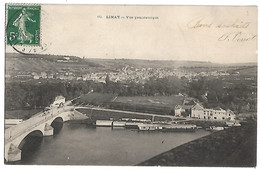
(79,144)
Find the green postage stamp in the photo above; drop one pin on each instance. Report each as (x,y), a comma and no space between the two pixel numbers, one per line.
(23,24)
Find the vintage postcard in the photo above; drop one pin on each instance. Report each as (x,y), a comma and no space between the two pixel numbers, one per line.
(130,85)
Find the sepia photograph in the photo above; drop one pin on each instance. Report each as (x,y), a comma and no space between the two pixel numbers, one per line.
(130,85)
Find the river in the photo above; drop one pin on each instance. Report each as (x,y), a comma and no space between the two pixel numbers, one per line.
(79,144)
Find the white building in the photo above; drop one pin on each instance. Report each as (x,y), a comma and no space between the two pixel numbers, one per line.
(198,111)
(59,100)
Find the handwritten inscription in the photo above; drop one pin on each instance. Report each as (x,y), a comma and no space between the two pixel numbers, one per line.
(198,23)
(201,22)
(236,24)
(239,27)
(236,36)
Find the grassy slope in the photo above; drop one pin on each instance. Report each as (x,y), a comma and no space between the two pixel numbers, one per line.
(40,63)
(148,104)
(95,98)
(44,63)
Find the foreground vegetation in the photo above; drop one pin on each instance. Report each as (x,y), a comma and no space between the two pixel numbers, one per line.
(234,147)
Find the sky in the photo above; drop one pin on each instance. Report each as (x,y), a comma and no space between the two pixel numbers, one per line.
(199,33)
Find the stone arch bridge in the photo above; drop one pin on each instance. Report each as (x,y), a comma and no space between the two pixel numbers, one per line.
(38,125)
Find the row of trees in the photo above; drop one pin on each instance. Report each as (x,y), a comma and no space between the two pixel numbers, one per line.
(21,95)
(211,91)
(28,94)
(153,86)
(239,97)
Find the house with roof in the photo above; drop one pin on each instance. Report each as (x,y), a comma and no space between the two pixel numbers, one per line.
(198,111)
(185,108)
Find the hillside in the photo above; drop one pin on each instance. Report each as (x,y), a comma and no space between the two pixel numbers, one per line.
(54,63)
(39,63)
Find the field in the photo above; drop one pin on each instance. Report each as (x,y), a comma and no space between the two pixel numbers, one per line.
(247,71)
(95,99)
(149,104)
(161,101)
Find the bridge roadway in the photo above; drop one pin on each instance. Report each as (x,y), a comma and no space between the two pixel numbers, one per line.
(126,112)
(41,123)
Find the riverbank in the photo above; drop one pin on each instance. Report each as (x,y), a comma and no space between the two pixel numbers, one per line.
(233,147)
(106,115)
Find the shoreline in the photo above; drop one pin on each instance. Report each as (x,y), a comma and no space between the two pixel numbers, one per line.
(233,147)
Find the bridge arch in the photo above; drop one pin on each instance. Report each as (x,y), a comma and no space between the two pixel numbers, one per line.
(34,133)
(43,124)
(30,143)
(58,119)
(13,150)
(57,124)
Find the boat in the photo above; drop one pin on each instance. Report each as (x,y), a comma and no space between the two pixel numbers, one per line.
(136,120)
(237,124)
(132,125)
(233,123)
(104,123)
(179,127)
(147,127)
(141,120)
(167,127)
(214,128)
(118,124)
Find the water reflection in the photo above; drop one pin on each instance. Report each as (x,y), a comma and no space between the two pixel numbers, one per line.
(31,146)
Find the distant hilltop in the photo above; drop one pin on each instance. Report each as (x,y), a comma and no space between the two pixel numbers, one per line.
(54,63)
